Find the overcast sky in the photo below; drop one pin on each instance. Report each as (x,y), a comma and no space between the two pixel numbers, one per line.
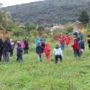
(14,2)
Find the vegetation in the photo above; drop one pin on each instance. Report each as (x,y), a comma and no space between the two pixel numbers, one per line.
(49,11)
(5,19)
(84,17)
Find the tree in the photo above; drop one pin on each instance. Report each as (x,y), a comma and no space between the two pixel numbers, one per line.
(40,30)
(84,17)
(5,19)
(30,26)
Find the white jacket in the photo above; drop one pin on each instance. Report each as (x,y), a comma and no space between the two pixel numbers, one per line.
(57,51)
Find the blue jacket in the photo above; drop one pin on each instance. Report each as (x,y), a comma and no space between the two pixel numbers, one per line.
(37,40)
(81,44)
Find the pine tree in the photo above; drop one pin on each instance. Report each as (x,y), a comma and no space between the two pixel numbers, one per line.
(84,17)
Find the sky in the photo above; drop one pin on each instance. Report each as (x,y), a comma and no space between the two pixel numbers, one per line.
(15,2)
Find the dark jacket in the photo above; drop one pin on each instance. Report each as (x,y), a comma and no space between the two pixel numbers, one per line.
(88,41)
(6,46)
(39,49)
(26,44)
(1,45)
(19,50)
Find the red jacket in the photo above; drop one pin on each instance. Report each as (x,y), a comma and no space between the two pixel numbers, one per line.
(47,49)
(76,45)
(62,39)
(67,40)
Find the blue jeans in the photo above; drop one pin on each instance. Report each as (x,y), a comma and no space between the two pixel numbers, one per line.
(6,56)
(19,58)
(77,53)
(62,46)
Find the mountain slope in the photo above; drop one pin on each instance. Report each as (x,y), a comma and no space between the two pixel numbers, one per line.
(49,11)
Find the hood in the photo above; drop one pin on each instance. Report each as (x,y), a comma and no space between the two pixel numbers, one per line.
(57,46)
(47,45)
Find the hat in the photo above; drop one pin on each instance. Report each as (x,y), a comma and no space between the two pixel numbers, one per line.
(75,33)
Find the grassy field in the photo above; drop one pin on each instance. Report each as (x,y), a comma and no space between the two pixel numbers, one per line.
(71,74)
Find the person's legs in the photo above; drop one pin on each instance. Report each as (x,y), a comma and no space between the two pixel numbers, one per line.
(20,58)
(56,59)
(7,57)
(11,52)
(78,53)
(40,57)
(0,56)
(48,57)
(75,53)
(62,46)
(60,58)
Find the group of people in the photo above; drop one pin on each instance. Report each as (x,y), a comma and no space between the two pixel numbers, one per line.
(78,46)
(44,47)
(7,47)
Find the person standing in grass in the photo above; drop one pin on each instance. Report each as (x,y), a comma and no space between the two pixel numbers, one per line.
(39,51)
(6,49)
(47,51)
(88,41)
(26,48)
(19,52)
(62,41)
(58,53)
(75,46)
(67,39)
(12,47)
(1,48)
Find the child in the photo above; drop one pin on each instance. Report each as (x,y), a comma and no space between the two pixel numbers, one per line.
(58,53)
(62,41)
(76,46)
(67,39)
(88,41)
(19,52)
(39,51)
(47,51)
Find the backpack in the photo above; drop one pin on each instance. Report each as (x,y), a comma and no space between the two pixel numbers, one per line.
(81,44)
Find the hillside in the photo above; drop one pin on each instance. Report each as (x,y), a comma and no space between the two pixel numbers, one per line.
(49,11)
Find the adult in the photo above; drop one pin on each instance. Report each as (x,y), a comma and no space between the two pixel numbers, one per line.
(6,49)
(75,46)
(12,47)
(26,45)
(1,48)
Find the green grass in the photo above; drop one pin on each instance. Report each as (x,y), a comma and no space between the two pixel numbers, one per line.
(71,74)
